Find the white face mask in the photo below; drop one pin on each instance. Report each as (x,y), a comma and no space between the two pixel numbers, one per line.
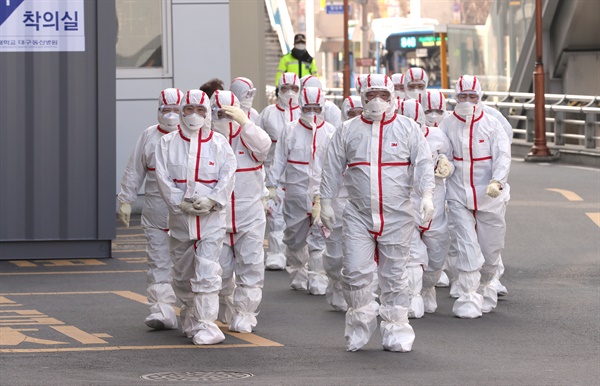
(375,108)
(399,94)
(433,119)
(246,104)
(222,126)
(168,121)
(285,97)
(311,118)
(300,46)
(416,94)
(193,122)
(464,108)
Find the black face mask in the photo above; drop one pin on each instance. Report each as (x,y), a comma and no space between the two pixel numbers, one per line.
(302,55)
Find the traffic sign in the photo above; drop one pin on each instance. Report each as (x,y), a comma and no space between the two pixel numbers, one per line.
(365,62)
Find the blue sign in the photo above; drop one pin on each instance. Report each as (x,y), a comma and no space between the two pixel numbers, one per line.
(335,9)
(7,7)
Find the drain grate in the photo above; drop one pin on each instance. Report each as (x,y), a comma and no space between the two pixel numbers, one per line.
(197,376)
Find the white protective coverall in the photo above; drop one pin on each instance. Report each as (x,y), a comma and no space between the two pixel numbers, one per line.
(299,160)
(142,165)
(377,150)
(398,80)
(244,90)
(477,193)
(193,165)
(415,75)
(273,120)
(242,251)
(430,241)
(332,113)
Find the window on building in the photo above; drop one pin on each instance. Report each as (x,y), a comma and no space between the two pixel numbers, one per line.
(141,37)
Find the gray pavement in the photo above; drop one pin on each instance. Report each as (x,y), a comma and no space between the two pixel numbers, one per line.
(74,323)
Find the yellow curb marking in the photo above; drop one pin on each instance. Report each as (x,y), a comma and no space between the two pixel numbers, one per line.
(571,196)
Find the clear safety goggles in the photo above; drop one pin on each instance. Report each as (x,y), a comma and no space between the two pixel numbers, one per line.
(251,93)
(166,109)
(312,108)
(194,109)
(221,114)
(399,87)
(355,112)
(436,111)
(383,94)
(289,87)
(467,96)
(415,86)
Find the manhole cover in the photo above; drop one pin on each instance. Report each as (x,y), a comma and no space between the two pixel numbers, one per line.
(197,376)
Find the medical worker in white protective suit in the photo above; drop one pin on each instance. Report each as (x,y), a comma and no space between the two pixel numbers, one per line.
(242,251)
(415,83)
(244,90)
(430,241)
(195,172)
(377,149)
(332,257)
(476,193)
(332,113)
(298,159)
(142,165)
(273,120)
(398,80)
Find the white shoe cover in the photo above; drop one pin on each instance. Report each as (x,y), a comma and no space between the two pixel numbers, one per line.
(225,309)
(469,304)
(490,296)
(185,314)
(396,333)
(335,297)
(500,288)
(454,290)
(317,283)
(415,285)
(443,281)
(299,277)
(246,301)
(206,310)
(429,300)
(361,318)
(275,261)
(163,316)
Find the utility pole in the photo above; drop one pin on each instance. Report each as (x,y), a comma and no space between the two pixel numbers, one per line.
(539,152)
(346,53)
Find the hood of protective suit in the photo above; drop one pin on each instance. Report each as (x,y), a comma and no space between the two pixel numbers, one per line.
(434,100)
(352,102)
(192,124)
(360,81)
(312,96)
(398,78)
(169,97)
(310,81)
(226,125)
(468,84)
(411,108)
(415,75)
(288,99)
(244,90)
(376,109)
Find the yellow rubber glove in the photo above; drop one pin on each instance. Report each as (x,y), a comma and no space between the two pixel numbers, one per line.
(316,209)
(125,213)
(494,189)
(237,114)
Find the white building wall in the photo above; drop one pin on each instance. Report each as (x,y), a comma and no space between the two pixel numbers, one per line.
(200,49)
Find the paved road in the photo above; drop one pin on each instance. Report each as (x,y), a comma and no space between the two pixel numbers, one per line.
(81,322)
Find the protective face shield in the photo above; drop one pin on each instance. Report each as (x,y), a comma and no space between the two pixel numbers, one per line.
(222,123)
(310,81)
(244,90)
(289,88)
(398,80)
(351,107)
(411,108)
(312,102)
(418,76)
(194,111)
(168,108)
(435,107)
(376,96)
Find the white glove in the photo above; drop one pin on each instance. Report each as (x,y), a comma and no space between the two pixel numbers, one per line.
(442,170)
(426,207)
(188,207)
(204,205)
(316,209)
(237,114)
(272,192)
(327,214)
(493,189)
(125,213)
